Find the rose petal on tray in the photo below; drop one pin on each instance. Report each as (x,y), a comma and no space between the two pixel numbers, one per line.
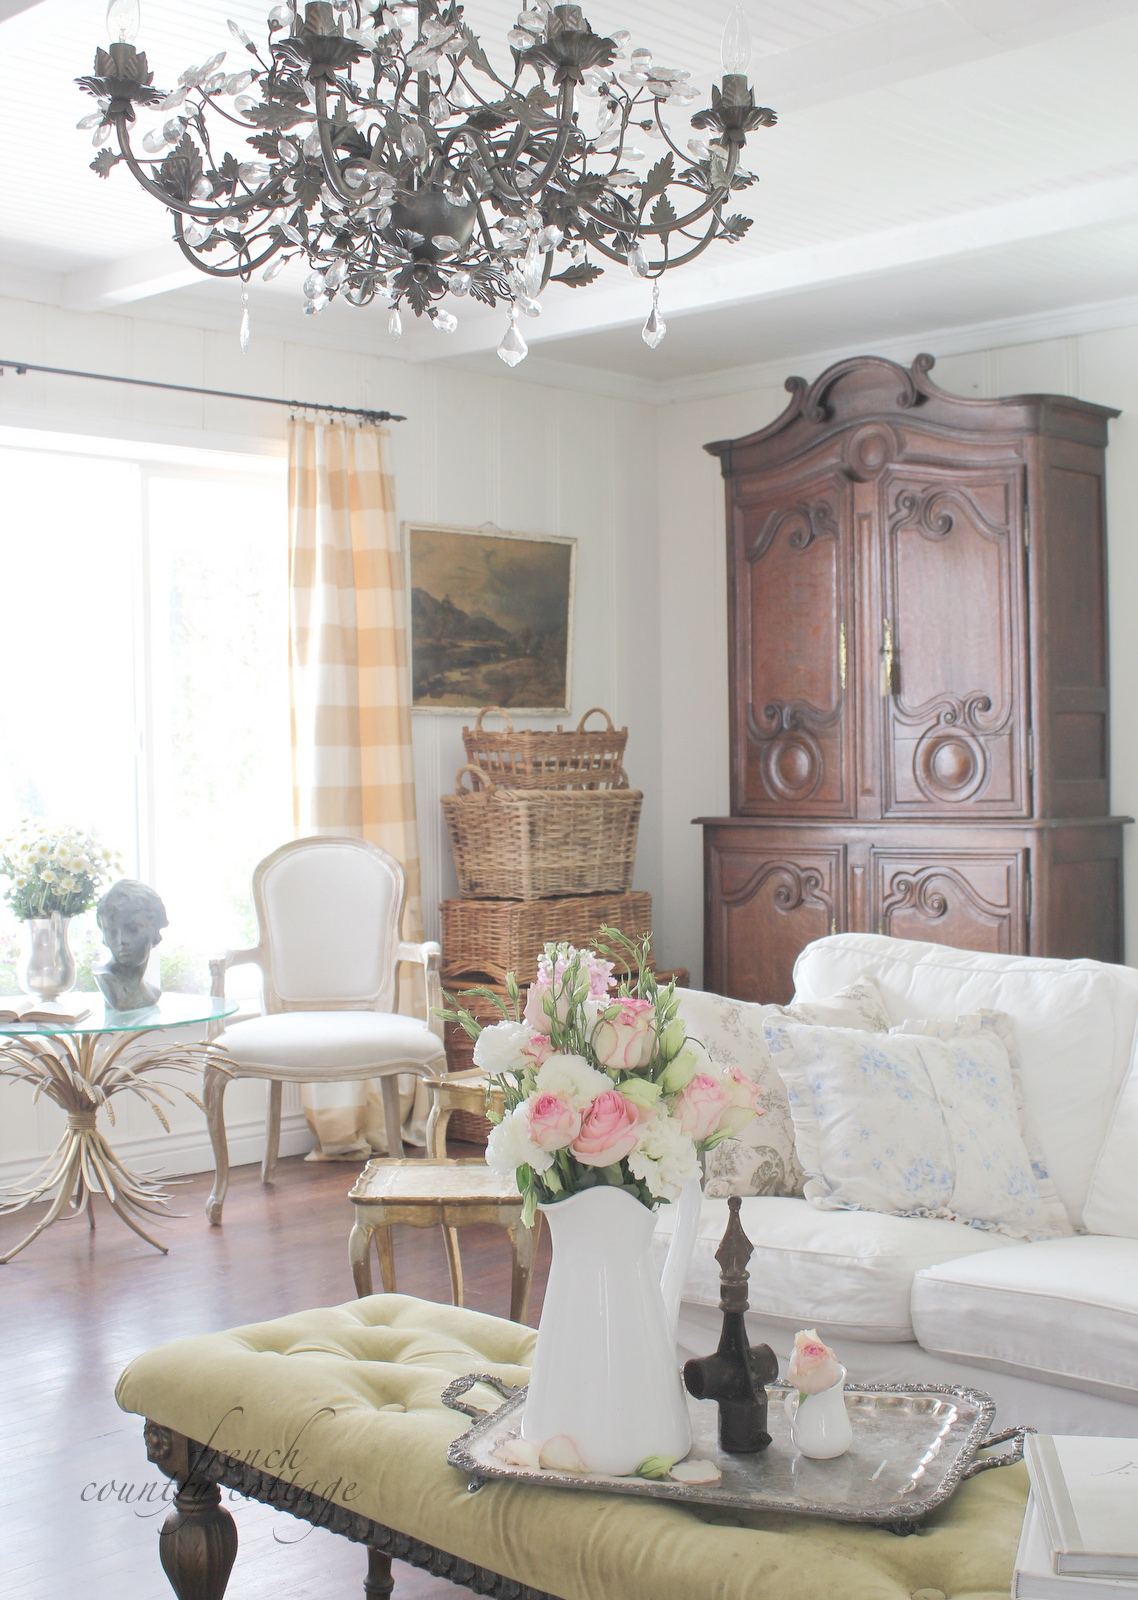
(518,1453)
(695,1472)
(560,1454)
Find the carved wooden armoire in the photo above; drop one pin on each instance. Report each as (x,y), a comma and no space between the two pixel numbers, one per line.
(918,659)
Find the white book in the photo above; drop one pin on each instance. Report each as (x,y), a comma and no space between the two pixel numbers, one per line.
(1035,1577)
(1087,1492)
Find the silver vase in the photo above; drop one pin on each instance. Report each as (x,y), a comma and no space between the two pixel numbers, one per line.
(46,967)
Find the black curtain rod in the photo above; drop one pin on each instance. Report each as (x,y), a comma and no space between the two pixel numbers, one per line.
(215,394)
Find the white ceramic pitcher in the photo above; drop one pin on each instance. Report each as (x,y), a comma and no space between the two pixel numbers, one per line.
(605,1370)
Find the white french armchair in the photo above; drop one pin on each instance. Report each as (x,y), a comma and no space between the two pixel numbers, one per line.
(328,913)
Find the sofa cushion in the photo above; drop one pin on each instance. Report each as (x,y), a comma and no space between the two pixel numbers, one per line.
(1074,1021)
(762,1159)
(844,1272)
(1112,1205)
(1064,1311)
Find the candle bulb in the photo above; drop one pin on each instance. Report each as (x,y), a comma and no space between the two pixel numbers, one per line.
(122,21)
(736,47)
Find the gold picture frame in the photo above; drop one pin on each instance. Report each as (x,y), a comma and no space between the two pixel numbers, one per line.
(490,618)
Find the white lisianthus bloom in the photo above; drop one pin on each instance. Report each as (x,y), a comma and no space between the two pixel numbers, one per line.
(510,1146)
(499,1048)
(664,1158)
(573,1079)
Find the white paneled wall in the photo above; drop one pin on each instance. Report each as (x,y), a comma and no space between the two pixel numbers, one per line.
(1100,366)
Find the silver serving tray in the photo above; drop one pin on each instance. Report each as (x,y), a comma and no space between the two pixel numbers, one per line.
(913,1445)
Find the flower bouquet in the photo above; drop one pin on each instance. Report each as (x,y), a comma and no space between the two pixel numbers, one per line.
(607,1106)
(53,870)
(602,1083)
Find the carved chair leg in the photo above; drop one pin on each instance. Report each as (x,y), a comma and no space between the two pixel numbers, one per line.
(272,1130)
(359,1254)
(379,1583)
(392,1115)
(197,1543)
(213,1094)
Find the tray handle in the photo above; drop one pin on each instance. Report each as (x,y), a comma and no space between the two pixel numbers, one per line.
(1009,1458)
(452,1394)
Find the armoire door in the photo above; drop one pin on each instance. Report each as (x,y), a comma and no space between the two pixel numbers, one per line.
(974,899)
(765,901)
(794,748)
(953,642)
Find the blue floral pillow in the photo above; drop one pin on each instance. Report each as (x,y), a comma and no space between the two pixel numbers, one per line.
(926,1121)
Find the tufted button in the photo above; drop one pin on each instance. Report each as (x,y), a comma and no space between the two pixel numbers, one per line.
(929,1594)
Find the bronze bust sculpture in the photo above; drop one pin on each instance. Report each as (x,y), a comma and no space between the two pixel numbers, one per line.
(130,917)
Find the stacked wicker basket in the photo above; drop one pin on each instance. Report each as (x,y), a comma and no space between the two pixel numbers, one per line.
(543,827)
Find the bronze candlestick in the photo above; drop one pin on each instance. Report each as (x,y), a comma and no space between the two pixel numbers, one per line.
(735,1377)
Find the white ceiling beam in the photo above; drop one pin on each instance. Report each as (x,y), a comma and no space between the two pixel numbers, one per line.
(136,277)
(572,312)
(12,8)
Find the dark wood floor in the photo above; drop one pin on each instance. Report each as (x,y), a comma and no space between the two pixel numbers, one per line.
(76,1306)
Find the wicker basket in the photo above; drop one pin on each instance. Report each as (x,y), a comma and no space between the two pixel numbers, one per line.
(488,938)
(534,758)
(535,844)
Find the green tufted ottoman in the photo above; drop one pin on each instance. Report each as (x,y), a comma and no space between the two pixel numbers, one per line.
(335,1416)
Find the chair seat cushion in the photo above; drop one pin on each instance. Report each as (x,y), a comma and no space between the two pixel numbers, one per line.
(1063,1311)
(345,1401)
(844,1272)
(331,1041)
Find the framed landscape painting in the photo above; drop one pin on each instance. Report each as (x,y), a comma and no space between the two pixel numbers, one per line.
(491,619)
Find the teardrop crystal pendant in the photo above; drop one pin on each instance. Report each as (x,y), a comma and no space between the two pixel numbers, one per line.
(513,347)
(243,335)
(445,322)
(654,327)
(395,323)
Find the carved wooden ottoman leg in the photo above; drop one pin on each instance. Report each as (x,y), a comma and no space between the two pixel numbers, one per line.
(379,1583)
(197,1543)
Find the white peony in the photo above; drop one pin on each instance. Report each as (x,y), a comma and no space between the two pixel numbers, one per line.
(664,1158)
(510,1146)
(498,1049)
(573,1079)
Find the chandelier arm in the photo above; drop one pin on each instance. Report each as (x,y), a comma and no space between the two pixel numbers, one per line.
(713,201)
(696,250)
(170,201)
(220,272)
(565,132)
(332,169)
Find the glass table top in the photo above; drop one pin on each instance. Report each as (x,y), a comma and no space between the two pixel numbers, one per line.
(172,1011)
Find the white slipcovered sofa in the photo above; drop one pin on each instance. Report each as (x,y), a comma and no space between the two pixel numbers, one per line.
(1049,1329)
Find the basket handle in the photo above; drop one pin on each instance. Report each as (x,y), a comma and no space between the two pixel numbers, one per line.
(620,779)
(485,781)
(496,711)
(611,728)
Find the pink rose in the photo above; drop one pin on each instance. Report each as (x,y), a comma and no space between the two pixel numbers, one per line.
(701,1106)
(813,1365)
(535,1012)
(743,1098)
(627,1042)
(552,1121)
(609,1130)
(539,1047)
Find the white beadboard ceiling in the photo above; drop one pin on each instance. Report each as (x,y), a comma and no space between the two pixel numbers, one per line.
(935,162)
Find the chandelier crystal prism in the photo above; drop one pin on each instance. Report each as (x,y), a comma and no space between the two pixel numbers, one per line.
(386,154)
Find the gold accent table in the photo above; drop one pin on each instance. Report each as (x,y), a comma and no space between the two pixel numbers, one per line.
(81,1067)
(434,1193)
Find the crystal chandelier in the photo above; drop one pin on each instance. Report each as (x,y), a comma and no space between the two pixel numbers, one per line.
(385,152)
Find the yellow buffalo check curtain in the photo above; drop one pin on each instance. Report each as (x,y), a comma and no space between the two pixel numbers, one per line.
(351,708)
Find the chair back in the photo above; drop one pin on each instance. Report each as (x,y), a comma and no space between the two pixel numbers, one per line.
(329,912)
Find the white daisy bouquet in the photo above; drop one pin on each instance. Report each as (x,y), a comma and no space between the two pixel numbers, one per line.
(53,870)
(602,1083)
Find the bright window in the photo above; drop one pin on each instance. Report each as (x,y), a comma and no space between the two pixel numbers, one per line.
(143,658)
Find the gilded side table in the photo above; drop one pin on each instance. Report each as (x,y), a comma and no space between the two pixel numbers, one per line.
(82,1067)
(432,1194)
